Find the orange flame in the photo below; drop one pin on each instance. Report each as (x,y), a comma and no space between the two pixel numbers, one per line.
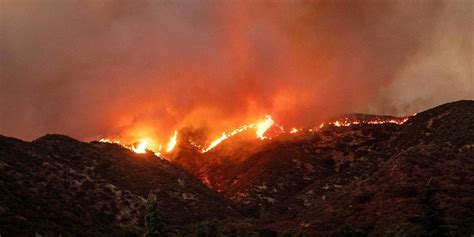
(294,130)
(140,147)
(346,122)
(225,136)
(146,144)
(105,140)
(172,142)
(260,127)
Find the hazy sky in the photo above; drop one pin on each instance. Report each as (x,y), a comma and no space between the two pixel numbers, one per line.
(103,68)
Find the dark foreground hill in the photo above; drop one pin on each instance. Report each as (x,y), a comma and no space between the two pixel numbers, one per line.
(60,185)
(414,179)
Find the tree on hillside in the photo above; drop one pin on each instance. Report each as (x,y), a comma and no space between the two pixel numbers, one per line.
(154,226)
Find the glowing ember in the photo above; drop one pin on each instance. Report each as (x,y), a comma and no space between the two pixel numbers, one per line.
(172,142)
(194,144)
(294,130)
(346,122)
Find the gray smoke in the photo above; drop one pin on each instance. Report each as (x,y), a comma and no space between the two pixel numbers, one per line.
(99,68)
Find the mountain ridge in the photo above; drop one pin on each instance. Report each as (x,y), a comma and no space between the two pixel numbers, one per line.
(375,179)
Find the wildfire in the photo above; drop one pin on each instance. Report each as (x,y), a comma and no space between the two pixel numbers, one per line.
(347,122)
(225,136)
(260,129)
(140,147)
(396,121)
(109,141)
(294,130)
(172,142)
(146,144)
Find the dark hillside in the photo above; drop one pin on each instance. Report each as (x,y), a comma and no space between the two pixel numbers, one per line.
(59,184)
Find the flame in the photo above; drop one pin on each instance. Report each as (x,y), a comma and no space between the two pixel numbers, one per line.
(295,130)
(225,136)
(172,142)
(347,122)
(145,144)
(140,147)
(262,127)
(105,140)
(158,151)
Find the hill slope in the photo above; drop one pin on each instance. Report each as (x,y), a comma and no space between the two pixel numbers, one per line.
(368,179)
(424,188)
(374,177)
(62,185)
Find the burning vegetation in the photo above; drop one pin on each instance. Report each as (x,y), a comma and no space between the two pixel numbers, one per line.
(260,129)
(387,178)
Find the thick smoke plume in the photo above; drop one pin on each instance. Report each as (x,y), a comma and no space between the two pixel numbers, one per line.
(144,68)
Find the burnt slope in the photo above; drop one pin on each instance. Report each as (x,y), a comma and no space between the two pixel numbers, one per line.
(61,185)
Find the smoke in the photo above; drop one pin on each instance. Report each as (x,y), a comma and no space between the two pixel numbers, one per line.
(144,68)
(439,71)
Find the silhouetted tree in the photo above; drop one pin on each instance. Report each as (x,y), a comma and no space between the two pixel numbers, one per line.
(154,226)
